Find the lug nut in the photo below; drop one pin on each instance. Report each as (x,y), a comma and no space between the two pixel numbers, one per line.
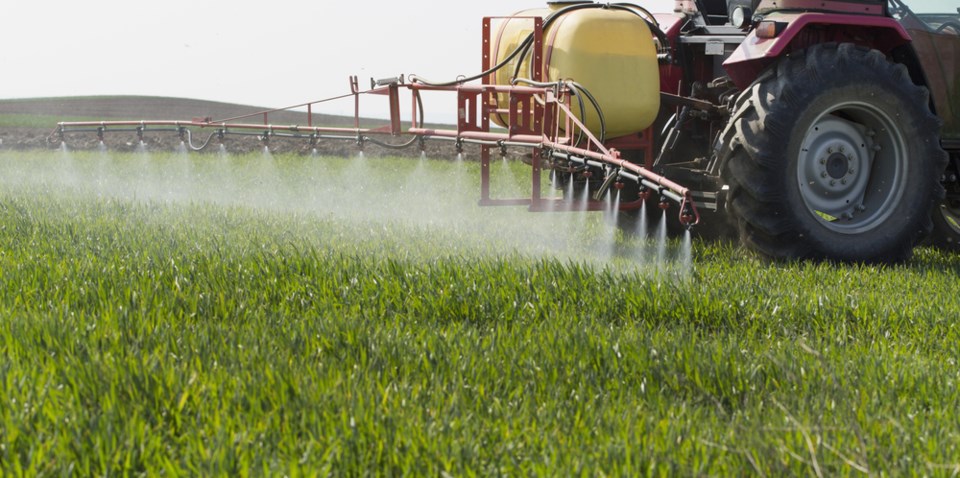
(823,161)
(833,183)
(823,175)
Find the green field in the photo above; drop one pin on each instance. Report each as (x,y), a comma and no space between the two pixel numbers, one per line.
(205,315)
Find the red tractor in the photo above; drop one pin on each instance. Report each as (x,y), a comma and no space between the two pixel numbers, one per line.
(822,129)
(838,120)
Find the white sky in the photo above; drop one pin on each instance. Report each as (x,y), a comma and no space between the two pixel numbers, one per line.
(263,53)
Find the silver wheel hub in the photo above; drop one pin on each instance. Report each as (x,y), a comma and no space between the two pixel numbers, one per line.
(851,169)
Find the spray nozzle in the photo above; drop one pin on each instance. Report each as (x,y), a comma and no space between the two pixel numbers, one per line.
(664,203)
(644,193)
(688,217)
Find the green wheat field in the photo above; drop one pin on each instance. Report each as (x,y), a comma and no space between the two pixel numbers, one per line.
(197,315)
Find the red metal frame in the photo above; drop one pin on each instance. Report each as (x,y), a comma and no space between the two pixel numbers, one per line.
(755,54)
(535,116)
(842,6)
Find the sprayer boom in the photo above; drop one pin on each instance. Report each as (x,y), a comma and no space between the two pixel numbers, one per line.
(540,117)
(536,115)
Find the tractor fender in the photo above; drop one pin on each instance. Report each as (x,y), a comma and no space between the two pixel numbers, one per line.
(755,54)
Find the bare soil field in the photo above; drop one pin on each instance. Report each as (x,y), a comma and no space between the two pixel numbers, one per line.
(26,125)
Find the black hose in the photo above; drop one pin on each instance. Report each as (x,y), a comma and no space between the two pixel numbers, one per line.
(466,79)
(524,46)
(637,10)
(651,22)
(412,140)
(574,92)
(596,106)
(367,139)
(202,146)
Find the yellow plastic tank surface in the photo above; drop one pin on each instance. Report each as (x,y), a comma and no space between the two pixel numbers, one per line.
(610,52)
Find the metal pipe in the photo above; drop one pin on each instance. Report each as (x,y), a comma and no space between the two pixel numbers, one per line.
(630,176)
(672,195)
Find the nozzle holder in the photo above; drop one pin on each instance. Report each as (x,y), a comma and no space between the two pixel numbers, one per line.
(644,193)
(618,185)
(687,216)
(664,203)
(587,174)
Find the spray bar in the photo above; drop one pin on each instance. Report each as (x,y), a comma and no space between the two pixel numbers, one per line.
(548,136)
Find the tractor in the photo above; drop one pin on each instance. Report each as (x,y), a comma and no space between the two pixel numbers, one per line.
(838,120)
(805,129)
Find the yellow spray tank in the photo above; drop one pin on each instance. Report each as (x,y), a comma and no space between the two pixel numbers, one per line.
(610,52)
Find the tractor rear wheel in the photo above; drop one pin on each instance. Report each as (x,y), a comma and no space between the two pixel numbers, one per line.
(833,154)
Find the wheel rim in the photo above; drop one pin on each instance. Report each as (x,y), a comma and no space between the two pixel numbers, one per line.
(852,168)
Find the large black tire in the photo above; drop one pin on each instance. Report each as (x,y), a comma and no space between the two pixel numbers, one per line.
(833,154)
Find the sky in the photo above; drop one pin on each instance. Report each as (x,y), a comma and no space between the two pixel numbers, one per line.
(263,53)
